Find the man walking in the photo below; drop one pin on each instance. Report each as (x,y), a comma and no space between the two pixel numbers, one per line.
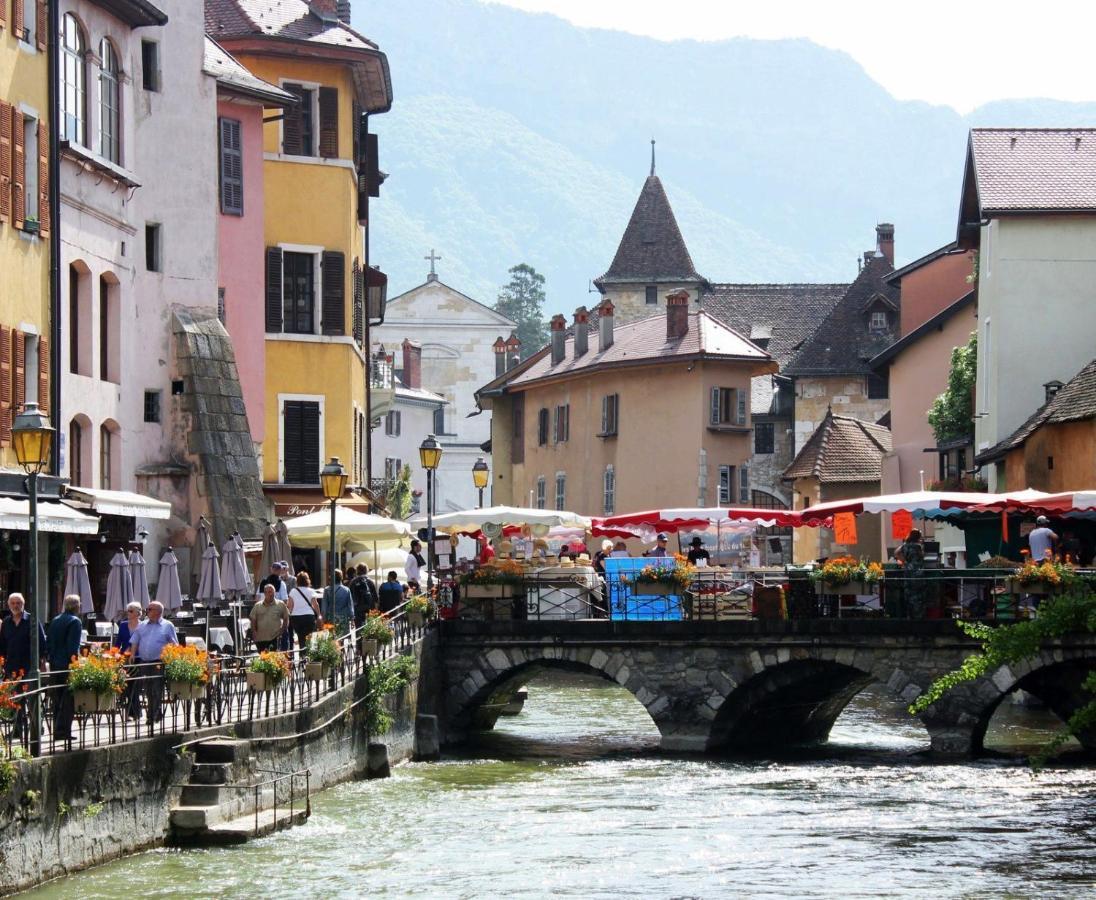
(362,590)
(269,620)
(338,605)
(15,646)
(147,644)
(62,644)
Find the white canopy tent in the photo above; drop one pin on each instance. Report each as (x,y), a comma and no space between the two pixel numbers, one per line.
(354,531)
(494,518)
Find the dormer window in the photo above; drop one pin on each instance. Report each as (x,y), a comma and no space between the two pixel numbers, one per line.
(879,320)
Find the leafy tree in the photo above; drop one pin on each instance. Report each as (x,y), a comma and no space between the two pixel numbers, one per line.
(952,413)
(523,300)
(399,495)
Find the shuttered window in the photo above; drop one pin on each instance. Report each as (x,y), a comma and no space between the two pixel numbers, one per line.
(273,290)
(517,445)
(562,430)
(5,159)
(358,278)
(726,485)
(232,168)
(43,375)
(298,132)
(728,407)
(542,426)
(298,293)
(18,371)
(329,122)
(541,492)
(5,385)
(609,490)
(18,170)
(301,442)
(334,293)
(43,180)
(561,491)
(610,413)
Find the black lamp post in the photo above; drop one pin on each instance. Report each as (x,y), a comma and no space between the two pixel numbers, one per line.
(32,437)
(333,479)
(479,477)
(430,457)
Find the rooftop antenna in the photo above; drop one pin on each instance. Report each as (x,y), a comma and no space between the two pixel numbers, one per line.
(652,156)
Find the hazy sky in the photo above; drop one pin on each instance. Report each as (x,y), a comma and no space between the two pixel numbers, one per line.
(954,53)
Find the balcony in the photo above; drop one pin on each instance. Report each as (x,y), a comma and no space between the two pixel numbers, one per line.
(382,384)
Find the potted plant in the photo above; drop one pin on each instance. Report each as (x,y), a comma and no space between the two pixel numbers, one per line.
(845,575)
(9,706)
(267,670)
(494,580)
(1045,577)
(663,577)
(96,679)
(186,671)
(419,608)
(375,632)
(323,654)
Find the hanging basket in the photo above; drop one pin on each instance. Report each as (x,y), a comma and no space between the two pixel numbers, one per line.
(92,702)
(415,618)
(184,690)
(317,671)
(369,647)
(260,682)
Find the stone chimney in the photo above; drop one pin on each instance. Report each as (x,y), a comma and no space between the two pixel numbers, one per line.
(412,364)
(677,315)
(559,338)
(513,352)
(582,334)
(605,324)
(342,10)
(326,9)
(500,355)
(1051,389)
(884,240)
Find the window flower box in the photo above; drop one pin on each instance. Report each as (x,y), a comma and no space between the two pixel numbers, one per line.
(317,671)
(93,701)
(183,690)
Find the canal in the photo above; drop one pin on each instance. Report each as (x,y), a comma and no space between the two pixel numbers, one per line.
(572,799)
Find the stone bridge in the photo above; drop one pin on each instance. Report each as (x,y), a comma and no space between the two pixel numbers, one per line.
(711,687)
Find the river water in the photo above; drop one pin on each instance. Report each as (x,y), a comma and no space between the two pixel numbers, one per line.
(572,799)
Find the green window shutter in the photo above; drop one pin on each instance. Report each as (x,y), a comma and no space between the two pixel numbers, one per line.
(334,293)
(274,290)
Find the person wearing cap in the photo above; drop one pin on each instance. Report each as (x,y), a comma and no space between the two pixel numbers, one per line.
(697,552)
(1042,540)
(274,579)
(660,546)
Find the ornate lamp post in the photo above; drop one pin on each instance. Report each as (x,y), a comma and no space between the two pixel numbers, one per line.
(479,477)
(32,437)
(430,457)
(333,479)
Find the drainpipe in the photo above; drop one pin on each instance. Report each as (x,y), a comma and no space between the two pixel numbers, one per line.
(366,340)
(54,235)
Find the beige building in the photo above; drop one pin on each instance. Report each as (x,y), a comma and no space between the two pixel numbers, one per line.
(616,418)
(1029,208)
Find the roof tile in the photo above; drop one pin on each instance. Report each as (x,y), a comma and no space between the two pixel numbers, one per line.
(1026,169)
(842,449)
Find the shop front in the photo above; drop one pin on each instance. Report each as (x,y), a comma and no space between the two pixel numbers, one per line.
(291,502)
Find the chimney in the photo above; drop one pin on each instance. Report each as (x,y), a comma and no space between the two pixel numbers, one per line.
(559,338)
(582,334)
(1051,388)
(325,9)
(412,364)
(513,351)
(342,10)
(500,355)
(605,324)
(884,241)
(677,315)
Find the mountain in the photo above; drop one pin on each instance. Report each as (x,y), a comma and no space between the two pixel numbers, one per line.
(517,137)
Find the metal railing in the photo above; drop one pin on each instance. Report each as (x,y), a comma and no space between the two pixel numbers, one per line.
(148,707)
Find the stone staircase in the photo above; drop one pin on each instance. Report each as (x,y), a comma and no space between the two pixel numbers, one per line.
(217,804)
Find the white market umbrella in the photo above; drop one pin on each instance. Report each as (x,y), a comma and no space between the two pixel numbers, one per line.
(234,578)
(353,530)
(119,587)
(168,590)
(472,520)
(77,581)
(138,578)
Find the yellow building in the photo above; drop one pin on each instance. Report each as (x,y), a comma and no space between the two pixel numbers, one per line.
(24,217)
(319,170)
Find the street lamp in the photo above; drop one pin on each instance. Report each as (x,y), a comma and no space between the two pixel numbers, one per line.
(479,477)
(333,479)
(32,435)
(430,457)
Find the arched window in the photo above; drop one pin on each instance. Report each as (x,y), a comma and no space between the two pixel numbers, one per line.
(109,456)
(110,142)
(73,81)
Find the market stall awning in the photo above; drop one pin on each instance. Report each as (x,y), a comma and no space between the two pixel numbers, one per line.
(297,501)
(53,517)
(121,503)
(924,504)
(354,531)
(1069,503)
(647,523)
(472,520)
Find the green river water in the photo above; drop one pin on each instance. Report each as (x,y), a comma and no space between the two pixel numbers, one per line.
(572,799)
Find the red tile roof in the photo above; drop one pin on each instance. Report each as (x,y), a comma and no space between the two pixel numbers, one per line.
(1029,169)
(292,19)
(842,449)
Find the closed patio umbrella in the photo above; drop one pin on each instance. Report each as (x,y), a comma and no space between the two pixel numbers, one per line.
(168,590)
(233,572)
(119,587)
(138,578)
(77,581)
(271,551)
(285,552)
(209,585)
(201,540)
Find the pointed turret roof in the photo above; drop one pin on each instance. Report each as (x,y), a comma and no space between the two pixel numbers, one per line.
(652,249)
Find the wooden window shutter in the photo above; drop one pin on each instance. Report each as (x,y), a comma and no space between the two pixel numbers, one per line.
(43,178)
(292,125)
(18,170)
(5,385)
(713,417)
(18,371)
(43,375)
(329,122)
(740,406)
(232,168)
(291,440)
(5,158)
(41,28)
(517,445)
(274,290)
(334,293)
(359,301)
(310,443)
(3,13)
(18,24)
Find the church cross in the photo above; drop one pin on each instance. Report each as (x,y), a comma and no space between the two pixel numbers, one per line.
(433,259)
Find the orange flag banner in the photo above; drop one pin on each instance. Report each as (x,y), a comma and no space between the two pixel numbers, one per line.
(901,524)
(844,528)
(1004,525)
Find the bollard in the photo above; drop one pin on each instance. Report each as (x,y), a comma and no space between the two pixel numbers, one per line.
(376,761)
(427,738)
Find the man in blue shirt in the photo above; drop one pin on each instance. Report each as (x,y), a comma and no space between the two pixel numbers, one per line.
(391,593)
(341,615)
(15,645)
(62,644)
(147,644)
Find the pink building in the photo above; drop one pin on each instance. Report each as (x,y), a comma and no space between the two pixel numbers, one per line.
(241,101)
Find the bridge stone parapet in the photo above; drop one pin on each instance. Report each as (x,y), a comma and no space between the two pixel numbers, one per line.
(713,687)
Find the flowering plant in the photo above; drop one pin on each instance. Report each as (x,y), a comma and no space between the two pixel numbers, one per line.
(677,573)
(99,671)
(498,571)
(845,569)
(376,627)
(420,603)
(272,664)
(9,706)
(185,665)
(1051,572)
(323,648)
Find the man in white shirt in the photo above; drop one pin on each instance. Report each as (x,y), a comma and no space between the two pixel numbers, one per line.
(1042,540)
(414,565)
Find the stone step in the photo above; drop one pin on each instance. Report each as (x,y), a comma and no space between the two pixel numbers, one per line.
(241,830)
(200,795)
(209,773)
(220,751)
(194,818)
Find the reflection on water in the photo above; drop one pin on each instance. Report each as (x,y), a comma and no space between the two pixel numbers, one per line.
(572,799)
